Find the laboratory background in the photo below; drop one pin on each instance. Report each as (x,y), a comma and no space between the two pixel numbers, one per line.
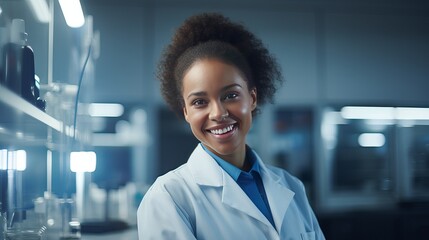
(84,130)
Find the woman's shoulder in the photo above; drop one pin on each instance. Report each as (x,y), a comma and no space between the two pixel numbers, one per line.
(175,183)
(179,181)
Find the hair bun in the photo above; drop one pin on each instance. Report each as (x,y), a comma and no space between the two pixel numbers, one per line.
(209,27)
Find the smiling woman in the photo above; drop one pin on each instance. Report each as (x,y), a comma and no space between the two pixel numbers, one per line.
(215,74)
(218,107)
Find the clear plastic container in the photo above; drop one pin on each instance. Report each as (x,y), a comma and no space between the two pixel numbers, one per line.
(26,225)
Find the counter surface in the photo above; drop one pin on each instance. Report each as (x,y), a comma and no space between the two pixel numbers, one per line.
(130,234)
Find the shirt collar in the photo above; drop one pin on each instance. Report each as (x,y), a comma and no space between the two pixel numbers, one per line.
(232,170)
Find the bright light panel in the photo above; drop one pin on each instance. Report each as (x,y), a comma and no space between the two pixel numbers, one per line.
(384,113)
(83,161)
(11,155)
(16,160)
(371,140)
(412,113)
(72,11)
(40,9)
(105,110)
(3,159)
(21,160)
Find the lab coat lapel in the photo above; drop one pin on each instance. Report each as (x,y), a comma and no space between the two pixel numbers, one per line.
(235,197)
(207,172)
(274,188)
(204,168)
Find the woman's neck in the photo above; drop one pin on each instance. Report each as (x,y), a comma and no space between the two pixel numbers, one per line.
(238,159)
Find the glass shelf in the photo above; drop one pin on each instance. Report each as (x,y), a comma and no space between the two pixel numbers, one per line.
(21,123)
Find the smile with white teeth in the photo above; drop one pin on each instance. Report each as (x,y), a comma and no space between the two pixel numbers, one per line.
(222,131)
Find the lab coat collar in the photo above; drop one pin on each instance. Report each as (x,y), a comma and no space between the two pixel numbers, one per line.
(207,172)
(204,168)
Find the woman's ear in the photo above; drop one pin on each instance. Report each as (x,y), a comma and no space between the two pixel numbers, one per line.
(254,98)
(185,113)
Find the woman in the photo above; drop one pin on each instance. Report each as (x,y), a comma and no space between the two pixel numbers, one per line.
(215,73)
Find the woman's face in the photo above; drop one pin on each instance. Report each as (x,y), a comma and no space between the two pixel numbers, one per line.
(218,106)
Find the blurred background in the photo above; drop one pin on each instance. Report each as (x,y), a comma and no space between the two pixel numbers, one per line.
(351,120)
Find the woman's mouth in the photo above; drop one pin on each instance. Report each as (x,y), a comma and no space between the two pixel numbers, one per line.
(222,131)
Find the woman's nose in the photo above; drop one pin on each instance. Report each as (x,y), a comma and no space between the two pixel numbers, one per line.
(218,112)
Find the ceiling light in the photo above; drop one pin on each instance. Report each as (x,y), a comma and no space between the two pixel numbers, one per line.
(105,109)
(83,161)
(371,140)
(385,113)
(40,10)
(73,14)
(403,113)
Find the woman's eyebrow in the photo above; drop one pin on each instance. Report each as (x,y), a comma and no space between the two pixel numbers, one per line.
(202,93)
(197,94)
(231,86)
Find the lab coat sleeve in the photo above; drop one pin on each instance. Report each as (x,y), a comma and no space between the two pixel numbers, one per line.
(160,217)
(316,227)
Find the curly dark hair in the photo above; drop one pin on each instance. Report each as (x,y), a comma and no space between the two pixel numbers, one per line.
(212,35)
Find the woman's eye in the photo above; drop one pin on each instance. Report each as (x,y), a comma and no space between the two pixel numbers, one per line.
(198,102)
(231,96)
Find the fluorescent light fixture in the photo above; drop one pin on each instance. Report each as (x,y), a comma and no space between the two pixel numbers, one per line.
(73,14)
(371,140)
(83,161)
(40,10)
(1,10)
(3,159)
(105,110)
(11,155)
(21,160)
(16,160)
(403,113)
(384,113)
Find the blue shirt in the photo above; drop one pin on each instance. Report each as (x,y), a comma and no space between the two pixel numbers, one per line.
(250,181)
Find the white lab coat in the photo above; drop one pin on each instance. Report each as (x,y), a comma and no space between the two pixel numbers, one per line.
(199,200)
